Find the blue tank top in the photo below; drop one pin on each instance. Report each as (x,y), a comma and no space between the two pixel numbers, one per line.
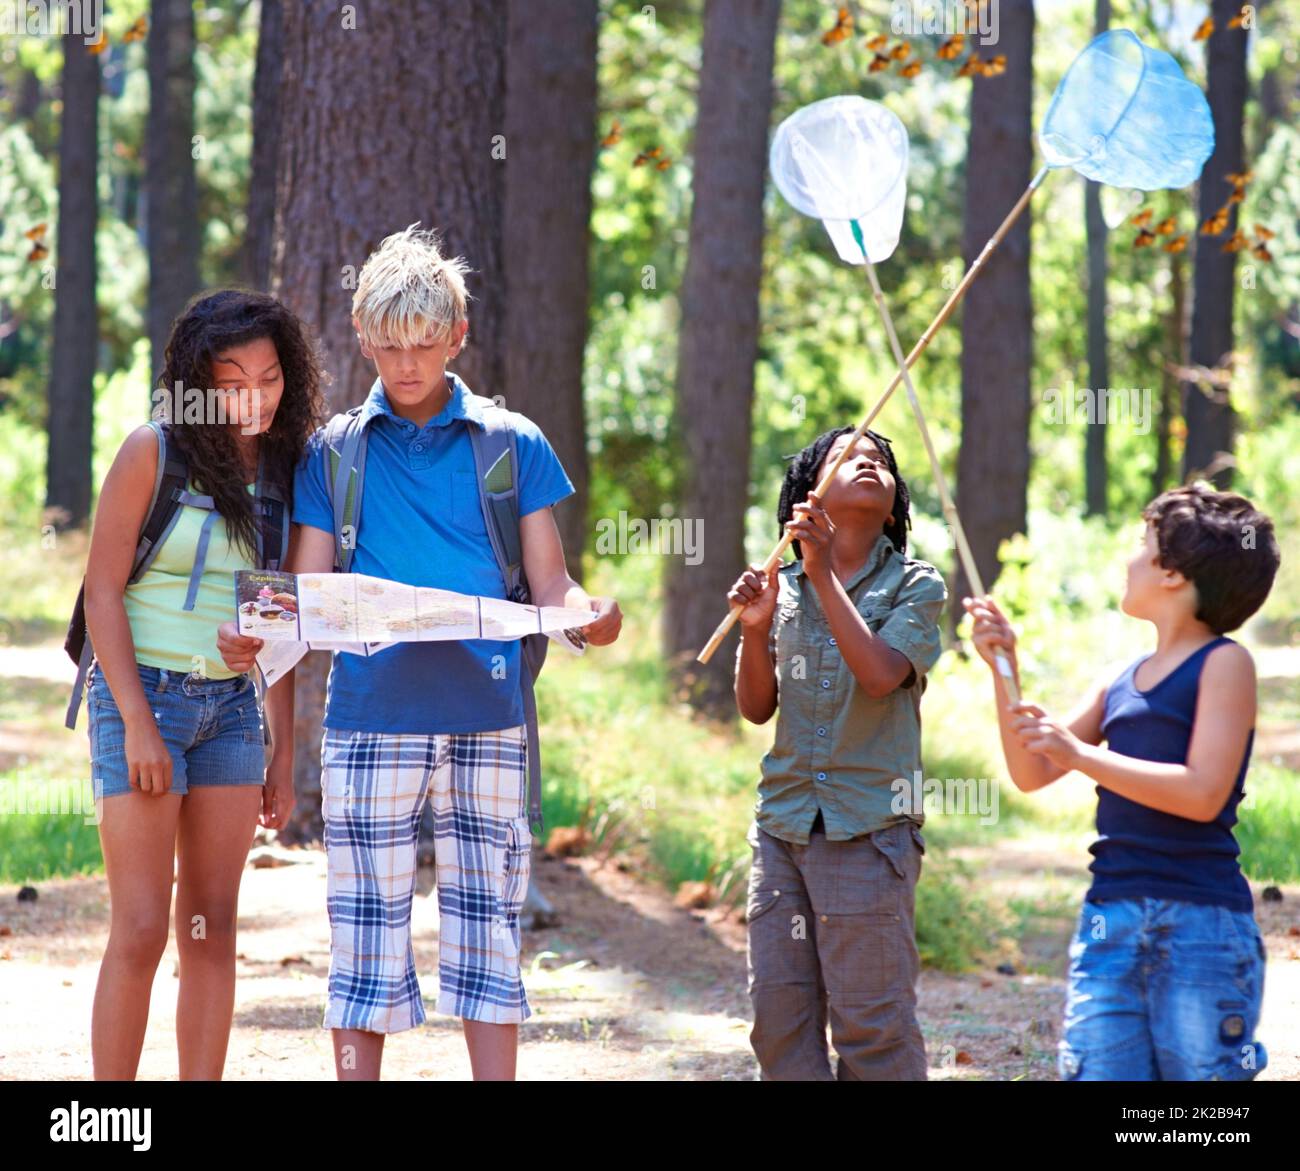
(1144,852)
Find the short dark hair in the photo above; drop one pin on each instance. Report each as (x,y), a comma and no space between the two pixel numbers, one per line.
(1203,535)
(805,468)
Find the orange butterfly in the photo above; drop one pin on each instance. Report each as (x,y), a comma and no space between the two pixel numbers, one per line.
(647,155)
(1261,251)
(842,30)
(1216,223)
(911,69)
(663,164)
(970,66)
(878,63)
(1144,239)
(1262,232)
(951,49)
(1204,30)
(615,134)
(900,51)
(878,42)
(1165,227)
(994,67)
(37,236)
(1142,218)
(1236,243)
(1239,19)
(1239,178)
(137,32)
(1177,244)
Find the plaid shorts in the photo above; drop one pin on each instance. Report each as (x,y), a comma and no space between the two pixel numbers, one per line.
(374,786)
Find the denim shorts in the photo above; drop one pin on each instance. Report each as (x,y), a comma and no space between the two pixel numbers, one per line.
(212,728)
(1163,990)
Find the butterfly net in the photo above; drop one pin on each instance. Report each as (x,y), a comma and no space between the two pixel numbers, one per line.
(845,159)
(1124,114)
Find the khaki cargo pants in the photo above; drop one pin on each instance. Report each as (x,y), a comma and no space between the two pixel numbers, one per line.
(832,937)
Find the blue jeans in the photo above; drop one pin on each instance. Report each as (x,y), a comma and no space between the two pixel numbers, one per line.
(1163,990)
(212,729)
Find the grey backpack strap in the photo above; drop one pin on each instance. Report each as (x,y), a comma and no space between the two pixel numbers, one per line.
(496,462)
(345,465)
(83,669)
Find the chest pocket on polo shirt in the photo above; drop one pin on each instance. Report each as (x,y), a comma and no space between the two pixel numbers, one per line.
(874,613)
(466,511)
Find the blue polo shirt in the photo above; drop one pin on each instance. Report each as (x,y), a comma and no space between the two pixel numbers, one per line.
(421,523)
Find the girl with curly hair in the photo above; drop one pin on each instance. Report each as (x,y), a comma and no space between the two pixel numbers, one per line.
(178,765)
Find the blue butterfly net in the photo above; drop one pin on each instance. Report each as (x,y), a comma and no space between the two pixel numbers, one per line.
(1124,114)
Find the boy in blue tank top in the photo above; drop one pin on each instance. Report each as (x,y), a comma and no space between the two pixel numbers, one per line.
(1167,963)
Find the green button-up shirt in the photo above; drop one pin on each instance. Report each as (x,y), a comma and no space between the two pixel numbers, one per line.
(836,748)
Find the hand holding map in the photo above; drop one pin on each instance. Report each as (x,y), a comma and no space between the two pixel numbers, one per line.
(363,615)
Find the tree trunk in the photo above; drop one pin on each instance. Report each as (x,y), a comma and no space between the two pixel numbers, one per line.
(71,394)
(384,124)
(551,135)
(1208,408)
(997,322)
(266,144)
(1098,360)
(718,343)
(171,192)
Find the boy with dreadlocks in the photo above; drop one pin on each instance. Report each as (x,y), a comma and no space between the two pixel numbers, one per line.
(841,639)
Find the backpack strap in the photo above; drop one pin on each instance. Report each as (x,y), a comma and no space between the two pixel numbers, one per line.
(170,476)
(496,461)
(345,467)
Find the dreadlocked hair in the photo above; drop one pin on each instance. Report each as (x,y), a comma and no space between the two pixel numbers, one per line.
(804,471)
(210,325)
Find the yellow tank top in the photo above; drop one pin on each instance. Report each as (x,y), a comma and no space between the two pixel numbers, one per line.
(165,633)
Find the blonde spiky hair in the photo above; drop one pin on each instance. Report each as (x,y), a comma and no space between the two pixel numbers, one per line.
(408,289)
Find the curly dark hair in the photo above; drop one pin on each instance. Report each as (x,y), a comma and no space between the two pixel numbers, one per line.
(804,471)
(211,324)
(1222,544)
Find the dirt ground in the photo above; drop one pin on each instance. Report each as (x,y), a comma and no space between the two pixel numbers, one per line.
(626,987)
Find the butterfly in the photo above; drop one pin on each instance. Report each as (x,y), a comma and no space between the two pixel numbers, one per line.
(900,51)
(1262,232)
(615,134)
(663,164)
(1166,227)
(1142,218)
(842,30)
(39,250)
(1236,243)
(878,63)
(1204,30)
(878,42)
(911,69)
(1144,239)
(994,67)
(1261,251)
(952,47)
(1177,244)
(137,32)
(970,66)
(1239,178)
(1239,19)
(1216,223)
(647,156)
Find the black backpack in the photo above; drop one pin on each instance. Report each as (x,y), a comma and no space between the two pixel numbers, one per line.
(170,492)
